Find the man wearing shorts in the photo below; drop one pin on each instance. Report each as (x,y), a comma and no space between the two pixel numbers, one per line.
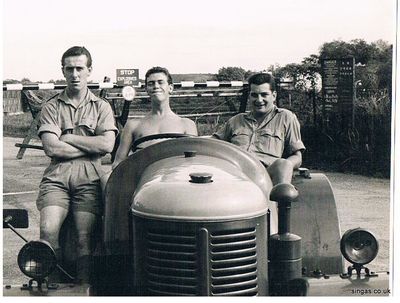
(77,129)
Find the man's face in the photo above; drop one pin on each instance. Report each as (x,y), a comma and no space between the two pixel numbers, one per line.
(158,88)
(261,98)
(76,72)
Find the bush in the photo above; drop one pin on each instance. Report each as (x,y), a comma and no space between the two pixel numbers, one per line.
(364,149)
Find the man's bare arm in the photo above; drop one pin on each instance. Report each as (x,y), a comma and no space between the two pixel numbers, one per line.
(296,159)
(125,143)
(190,127)
(54,148)
(100,144)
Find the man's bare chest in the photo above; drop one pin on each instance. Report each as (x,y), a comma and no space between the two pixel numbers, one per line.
(153,126)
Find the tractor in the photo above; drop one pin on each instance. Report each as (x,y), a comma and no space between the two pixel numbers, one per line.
(199,217)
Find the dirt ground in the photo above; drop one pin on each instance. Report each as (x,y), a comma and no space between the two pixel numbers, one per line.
(361,202)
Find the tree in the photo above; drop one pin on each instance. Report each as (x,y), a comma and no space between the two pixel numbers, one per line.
(384,71)
(305,76)
(10,81)
(232,74)
(373,64)
(373,61)
(60,81)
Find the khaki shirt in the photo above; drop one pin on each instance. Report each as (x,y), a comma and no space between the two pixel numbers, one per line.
(277,136)
(92,117)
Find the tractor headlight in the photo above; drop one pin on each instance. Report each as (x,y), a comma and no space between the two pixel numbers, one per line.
(37,259)
(359,246)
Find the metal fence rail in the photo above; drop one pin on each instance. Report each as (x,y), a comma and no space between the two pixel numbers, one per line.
(109,85)
(121,107)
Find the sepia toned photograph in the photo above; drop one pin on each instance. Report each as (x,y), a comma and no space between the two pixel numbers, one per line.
(198,148)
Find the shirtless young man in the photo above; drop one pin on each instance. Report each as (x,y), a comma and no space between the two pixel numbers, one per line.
(161,119)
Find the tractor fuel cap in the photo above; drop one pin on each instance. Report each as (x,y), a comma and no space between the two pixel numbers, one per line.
(190,153)
(200,178)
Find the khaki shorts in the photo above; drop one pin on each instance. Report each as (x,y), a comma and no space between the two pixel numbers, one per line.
(73,185)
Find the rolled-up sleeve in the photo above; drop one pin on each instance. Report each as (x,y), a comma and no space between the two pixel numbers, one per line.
(293,136)
(106,120)
(48,121)
(222,133)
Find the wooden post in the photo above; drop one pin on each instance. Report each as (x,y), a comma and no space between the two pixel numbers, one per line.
(31,133)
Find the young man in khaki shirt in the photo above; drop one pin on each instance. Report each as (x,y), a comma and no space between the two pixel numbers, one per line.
(77,129)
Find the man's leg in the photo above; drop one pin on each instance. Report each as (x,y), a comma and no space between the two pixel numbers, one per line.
(281,171)
(103,182)
(51,219)
(86,209)
(85,223)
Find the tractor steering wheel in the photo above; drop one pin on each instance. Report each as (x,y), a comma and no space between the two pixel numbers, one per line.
(141,140)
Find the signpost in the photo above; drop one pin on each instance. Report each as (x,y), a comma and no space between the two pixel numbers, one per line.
(128,92)
(128,77)
(338,86)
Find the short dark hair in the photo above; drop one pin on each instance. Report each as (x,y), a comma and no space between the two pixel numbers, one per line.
(158,69)
(77,51)
(261,78)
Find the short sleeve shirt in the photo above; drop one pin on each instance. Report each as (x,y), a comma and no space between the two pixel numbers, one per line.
(277,136)
(93,116)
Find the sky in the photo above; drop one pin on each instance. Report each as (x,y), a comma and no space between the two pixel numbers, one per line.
(184,36)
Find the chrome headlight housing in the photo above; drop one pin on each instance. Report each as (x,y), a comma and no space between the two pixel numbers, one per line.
(37,259)
(359,246)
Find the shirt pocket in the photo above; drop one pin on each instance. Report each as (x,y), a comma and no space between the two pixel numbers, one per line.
(270,142)
(66,126)
(88,126)
(241,136)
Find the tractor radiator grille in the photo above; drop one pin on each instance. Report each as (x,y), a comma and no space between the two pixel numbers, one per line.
(217,259)
(234,262)
(171,263)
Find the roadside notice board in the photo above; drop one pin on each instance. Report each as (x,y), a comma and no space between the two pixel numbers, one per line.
(338,84)
(128,77)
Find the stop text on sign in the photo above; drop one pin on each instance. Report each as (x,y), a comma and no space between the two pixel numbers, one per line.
(128,77)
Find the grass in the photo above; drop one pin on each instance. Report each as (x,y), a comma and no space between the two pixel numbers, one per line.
(209,125)
(16,125)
